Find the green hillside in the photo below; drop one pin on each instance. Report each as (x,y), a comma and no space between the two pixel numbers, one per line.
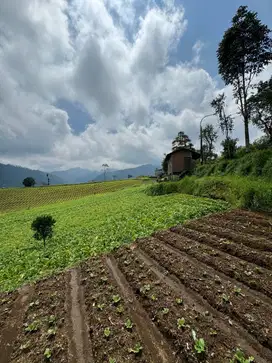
(257,163)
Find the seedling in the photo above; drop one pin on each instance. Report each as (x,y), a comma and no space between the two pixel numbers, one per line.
(200,345)
(213,332)
(237,290)
(107,332)
(34,326)
(144,289)
(34,303)
(154,298)
(181,323)
(25,346)
(51,320)
(137,349)
(165,311)
(120,309)
(239,357)
(128,324)
(179,301)
(51,332)
(225,298)
(47,353)
(116,299)
(100,306)
(104,279)
(112,360)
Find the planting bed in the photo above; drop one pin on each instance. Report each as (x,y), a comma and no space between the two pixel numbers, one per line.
(188,294)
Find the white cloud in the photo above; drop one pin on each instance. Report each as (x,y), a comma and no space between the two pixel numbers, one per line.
(97,53)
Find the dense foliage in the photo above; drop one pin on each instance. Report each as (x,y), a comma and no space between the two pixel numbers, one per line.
(29,182)
(88,226)
(43,228)
(239,191)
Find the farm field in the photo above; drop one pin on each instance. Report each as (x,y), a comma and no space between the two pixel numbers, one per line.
(193,293)
(87,226)
(26,198)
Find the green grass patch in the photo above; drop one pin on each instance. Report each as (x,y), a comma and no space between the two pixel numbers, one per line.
(26,198)
(256,163)
(243,192)
(88,226)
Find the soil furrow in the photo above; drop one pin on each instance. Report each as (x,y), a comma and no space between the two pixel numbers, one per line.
(235,225)
(258,243)
(259,219)
(221,293)
(254,277)
(239,334)
(260,258)
(157,346)
(79,340)
(13,323)
(165,307)
(113,331)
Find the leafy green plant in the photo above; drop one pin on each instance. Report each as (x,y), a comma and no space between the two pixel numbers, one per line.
(120,309)
(200,345)
(239,357)
(165,311)
(116,299)
(43,227)
(137,349)
(213,332)
(181,323)
(225,298)
(179,301)
(144,289)
(154,297)
(51,332)
(32,327)
(100,306)
(128,324)
(237,290)
(107,332)
(47,353)
(112,360)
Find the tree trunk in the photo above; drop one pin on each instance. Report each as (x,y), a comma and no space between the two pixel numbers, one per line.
(43,242)
(246,122)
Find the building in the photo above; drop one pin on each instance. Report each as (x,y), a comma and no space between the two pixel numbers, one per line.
(181,161)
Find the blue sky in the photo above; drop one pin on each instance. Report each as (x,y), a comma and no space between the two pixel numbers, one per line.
(85,83)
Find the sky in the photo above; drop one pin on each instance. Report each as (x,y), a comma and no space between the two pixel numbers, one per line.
(88,82)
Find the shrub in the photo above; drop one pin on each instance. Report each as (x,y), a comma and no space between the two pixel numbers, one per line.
(43,227)
(29,182)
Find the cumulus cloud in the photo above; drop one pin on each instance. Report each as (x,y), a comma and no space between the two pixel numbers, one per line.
(114,58)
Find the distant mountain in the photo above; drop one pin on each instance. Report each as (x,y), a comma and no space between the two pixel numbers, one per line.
(147,170)
(76,175)
(13,176)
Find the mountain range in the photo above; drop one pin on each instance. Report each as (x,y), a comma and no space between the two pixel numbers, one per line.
(12,176)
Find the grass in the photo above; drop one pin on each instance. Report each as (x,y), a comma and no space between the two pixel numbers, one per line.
(88,226)
(23,198)
(257,163)
(243,192)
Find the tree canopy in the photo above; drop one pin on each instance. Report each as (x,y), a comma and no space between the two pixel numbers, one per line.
(29,182)
(182,140)
(242,54)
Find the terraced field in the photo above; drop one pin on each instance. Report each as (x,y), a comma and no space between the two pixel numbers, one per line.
(200,292)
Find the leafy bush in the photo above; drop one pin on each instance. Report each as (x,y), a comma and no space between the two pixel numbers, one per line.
(43,227)
(29,182)
(239,191)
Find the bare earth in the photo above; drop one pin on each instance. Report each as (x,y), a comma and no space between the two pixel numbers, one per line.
(214,274)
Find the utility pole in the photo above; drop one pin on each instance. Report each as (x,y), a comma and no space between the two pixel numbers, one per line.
(201,137)
(48,180)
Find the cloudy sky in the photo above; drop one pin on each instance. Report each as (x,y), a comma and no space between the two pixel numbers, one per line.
(84,82)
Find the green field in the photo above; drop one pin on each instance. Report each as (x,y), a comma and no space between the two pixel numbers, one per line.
(23,198)
(87,226)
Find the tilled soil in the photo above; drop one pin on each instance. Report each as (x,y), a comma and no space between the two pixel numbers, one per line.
(194,293)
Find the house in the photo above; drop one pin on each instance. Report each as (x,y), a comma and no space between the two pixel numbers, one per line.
(181,161)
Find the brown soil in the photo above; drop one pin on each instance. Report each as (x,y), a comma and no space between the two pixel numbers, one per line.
(141,303)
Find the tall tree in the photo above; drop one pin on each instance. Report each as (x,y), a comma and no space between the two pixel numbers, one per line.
(225,121)
(105,168)
(29,182)
(182,140)
(210,136)
(261,107)
(242,54)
